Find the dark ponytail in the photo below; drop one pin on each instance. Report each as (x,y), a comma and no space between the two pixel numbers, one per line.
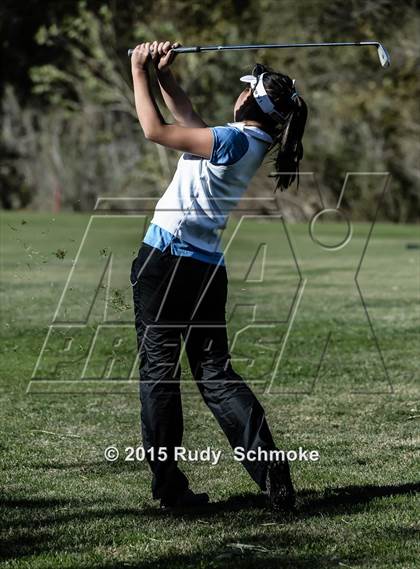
(288,147)
(287,133)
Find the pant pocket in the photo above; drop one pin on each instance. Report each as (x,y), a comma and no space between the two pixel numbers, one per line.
(148,262)
(138,262)
(133,273)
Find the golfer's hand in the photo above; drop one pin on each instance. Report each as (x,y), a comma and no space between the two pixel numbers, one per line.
(162,54)
(140,56)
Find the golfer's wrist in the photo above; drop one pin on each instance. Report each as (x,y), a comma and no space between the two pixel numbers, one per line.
(139,71)
(165,71)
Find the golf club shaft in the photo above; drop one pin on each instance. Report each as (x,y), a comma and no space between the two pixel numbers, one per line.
(199,48)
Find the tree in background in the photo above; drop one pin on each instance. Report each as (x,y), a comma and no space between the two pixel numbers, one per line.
(68,117)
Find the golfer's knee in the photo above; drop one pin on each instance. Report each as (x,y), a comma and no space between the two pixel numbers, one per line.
(160,376)
(161,390)
(219,374)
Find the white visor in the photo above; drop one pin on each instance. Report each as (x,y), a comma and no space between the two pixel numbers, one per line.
(260,95)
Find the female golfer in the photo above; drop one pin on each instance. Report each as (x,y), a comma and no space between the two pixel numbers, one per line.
(179,277)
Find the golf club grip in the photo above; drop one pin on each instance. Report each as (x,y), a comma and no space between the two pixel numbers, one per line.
(176,50)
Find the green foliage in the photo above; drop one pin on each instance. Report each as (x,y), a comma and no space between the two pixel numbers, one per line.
(361,117)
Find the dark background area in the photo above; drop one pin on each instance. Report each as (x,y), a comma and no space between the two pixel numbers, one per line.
(69,131)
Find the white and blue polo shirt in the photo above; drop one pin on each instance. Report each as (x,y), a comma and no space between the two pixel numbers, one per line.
(195,207)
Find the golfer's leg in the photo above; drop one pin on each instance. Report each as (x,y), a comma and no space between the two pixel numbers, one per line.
(161,408)
(232,402)
(159,345)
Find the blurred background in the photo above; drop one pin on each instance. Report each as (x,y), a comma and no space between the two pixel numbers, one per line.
(69,132)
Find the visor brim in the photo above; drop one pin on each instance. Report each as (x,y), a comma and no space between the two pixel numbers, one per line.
(248,79)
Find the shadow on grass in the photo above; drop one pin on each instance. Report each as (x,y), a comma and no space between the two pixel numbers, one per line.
(347,500)
(35,524)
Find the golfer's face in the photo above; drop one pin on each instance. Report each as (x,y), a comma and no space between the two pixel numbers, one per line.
(240,100)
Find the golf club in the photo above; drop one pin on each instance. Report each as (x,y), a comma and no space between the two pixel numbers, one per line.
(383,55)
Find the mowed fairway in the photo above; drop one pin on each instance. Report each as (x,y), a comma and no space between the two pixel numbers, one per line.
(334,374)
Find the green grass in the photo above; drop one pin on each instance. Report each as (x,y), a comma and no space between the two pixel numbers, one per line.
(63,505)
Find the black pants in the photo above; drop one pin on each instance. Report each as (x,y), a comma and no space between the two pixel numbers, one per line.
(180,297)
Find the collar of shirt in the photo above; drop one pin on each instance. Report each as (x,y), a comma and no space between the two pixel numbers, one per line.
(253,131)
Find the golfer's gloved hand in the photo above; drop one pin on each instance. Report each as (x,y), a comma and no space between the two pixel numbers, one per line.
(162,54)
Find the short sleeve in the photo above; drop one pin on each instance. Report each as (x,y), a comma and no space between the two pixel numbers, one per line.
(229,145)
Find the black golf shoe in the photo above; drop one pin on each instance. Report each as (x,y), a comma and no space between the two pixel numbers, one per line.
(186,500)
(280,491)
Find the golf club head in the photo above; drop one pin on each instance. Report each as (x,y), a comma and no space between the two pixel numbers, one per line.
(384,57)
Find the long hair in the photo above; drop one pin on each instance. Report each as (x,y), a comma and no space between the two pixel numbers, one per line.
(287,134)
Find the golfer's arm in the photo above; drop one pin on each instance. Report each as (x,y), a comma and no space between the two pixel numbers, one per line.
(178,101)
(148,112)
(197,141)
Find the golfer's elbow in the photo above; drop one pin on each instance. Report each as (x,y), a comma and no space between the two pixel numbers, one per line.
(150,125)
(154,134)
(150,135)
